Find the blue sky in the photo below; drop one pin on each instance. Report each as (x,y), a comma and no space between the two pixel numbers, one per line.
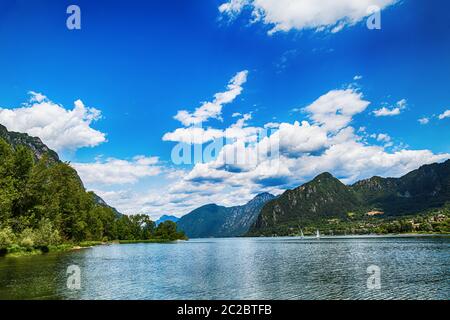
(139,63)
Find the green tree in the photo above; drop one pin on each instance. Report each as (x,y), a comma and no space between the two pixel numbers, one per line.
(46,234)
(168,230)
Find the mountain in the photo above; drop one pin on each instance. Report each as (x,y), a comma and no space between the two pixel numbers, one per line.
(16,139)
(426,187)
(39,149)
(326,198)
(98,200)
(43,203)
(166,218)
(241,218)
(217,221)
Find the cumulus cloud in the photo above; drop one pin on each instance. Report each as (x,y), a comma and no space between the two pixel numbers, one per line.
(327,142)
(389,112)
(59,128)
(180,197)
(383,137)
(198,135)
(213,109)
(385,112)
(116,171)
(193,135)
(319,15)
(336,109)
(444,115)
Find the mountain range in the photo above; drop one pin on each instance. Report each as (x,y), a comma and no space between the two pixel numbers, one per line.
(326,197)
(218,221)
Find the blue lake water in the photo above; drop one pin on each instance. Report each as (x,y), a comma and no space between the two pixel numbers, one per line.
(239,268)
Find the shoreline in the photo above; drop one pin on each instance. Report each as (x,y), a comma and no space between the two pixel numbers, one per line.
(362,236)
(66,247)
(91,244)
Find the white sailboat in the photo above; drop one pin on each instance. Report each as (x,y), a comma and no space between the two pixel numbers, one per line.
(317,234)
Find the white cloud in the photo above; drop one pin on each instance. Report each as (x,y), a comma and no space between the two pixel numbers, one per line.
(383,137)
(272,125)
(319,15)
(179,197)
(357,77)
(198,135)
(193,135)
(213,109)
(301,138)
(233,7)
(402,104)
(59,128)
(335,109)
(424,120)
(444,115)
(385,112)
(325,143)
(116,171)
(389,112)
(36,96)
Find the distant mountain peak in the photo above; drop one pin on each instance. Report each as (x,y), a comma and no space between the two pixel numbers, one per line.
(262,197)
(212,220)
(165,218)
(325,176)
(264,194)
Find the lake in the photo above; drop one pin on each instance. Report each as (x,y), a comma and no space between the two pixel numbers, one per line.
(239,268)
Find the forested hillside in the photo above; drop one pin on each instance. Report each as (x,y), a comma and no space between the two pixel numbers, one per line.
(43,203)
(418,201)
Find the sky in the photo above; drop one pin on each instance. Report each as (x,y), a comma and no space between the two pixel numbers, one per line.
(164,106)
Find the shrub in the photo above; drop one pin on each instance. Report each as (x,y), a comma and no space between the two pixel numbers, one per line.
(7,238)
(14,248)
(45,234)
(27,239)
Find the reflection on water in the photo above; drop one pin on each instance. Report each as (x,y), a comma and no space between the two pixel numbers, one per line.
(248,268)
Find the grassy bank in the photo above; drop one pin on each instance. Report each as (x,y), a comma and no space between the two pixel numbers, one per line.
(18,251)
